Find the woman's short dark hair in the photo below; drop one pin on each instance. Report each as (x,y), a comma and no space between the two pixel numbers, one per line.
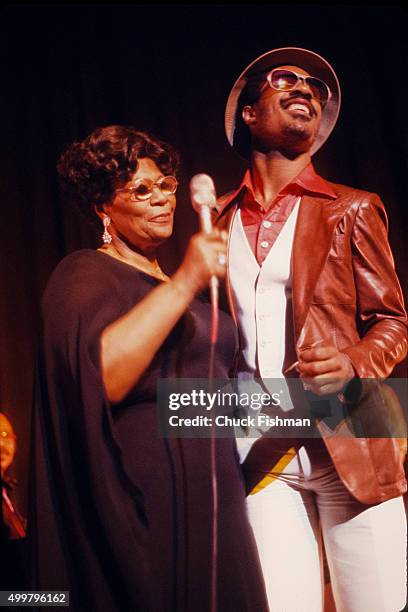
(92,169)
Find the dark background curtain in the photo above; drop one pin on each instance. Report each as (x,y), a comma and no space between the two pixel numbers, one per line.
(66,70)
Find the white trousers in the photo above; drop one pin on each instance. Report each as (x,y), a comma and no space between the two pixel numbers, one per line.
(365,545)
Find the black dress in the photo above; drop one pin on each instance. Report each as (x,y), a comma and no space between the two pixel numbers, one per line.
(120,516)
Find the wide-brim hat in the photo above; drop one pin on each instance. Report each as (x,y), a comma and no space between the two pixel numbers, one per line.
(313,63)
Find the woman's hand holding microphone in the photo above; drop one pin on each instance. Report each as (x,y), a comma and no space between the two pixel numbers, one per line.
(206,257)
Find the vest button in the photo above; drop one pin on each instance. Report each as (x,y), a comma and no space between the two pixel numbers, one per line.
(266,224)
(264,244)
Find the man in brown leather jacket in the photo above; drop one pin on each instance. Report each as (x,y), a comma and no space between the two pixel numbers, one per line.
(312,286)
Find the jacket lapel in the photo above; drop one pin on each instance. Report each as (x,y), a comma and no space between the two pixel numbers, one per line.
(224,220)
(317,220)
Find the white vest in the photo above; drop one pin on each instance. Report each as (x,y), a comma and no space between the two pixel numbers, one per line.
(262,296)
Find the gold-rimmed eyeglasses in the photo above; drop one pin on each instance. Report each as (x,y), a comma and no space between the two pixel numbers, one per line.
(143,188)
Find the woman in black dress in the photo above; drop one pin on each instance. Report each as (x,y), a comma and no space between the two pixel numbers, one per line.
(122,517)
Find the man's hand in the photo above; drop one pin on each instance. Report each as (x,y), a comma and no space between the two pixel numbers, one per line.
(324,369)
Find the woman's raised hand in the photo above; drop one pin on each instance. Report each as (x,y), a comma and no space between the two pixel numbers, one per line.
(206,256)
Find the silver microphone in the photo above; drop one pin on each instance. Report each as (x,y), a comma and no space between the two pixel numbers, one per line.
(203,199)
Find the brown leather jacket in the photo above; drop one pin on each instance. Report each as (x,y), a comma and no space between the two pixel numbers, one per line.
(344,286)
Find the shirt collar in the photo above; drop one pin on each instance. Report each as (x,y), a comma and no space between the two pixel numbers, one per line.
(307,181)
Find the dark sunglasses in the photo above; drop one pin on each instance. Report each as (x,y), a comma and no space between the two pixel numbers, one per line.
(286,80)
(143,188)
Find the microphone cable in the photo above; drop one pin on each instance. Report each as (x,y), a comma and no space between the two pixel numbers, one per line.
(203,199)
(213,456)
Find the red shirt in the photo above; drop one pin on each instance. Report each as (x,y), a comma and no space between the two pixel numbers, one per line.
(262,227)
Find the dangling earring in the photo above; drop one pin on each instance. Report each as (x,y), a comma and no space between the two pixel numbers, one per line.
(106,237)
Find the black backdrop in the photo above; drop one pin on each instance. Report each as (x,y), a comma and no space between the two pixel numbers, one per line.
(66,70)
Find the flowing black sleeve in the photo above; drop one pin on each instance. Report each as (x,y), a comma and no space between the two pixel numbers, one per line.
(87,526)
